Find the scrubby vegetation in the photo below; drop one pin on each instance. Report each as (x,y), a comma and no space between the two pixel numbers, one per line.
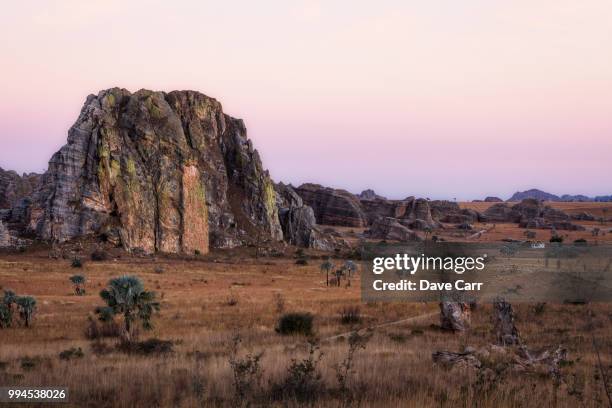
(189,359)
(295,323)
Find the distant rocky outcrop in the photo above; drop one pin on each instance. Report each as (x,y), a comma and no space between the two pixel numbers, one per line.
(156,171)
(370,194)
(501,212)
(298,221)
(377,208)
(333,206)
(388,228)
(583,216)
(420,217)
(493,200)
(535,194)
(14,187)
(575,198)
(531,213)
(450,212)
(543,196)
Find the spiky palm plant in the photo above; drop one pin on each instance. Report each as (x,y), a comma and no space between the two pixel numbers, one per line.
(27,308)
(6,308)
(126,296)
(327,266)
(350,267)
(79,282)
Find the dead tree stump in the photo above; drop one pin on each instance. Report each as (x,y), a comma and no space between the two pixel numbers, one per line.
(454,316)
(505,330)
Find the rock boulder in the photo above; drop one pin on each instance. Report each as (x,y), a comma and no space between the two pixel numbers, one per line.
(333,206)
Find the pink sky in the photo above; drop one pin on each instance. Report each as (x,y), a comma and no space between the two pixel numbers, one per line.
(436,99)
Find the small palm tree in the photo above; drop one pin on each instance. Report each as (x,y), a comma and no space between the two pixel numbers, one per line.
(350,267)
(27,308)
(6,308)
(79,284)
(126,296)
(327,266)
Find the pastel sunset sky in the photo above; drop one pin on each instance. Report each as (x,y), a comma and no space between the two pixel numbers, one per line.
(437,98)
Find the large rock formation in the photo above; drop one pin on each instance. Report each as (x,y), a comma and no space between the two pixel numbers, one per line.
(370,194)
(450,212)
(531,213)
(156,171)
(333,206)
(388,228)
(501,212)
(298,221)
(493,199)
(378,208)
(419,217)
(14,187)
(535,194)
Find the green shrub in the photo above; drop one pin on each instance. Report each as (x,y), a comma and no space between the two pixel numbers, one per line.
(580,241)
(71,353)
(77,263)
(302,262)
(79,284)
(556,238)
(295,323)
(99,255)
(147,347)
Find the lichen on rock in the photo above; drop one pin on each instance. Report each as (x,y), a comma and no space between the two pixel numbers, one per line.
(159,171)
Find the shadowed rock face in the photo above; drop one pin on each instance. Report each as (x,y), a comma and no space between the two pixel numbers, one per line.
(378,208)
(390,229)
(14,187)
(332,206)
(298,220)
(156,171)
(531,213)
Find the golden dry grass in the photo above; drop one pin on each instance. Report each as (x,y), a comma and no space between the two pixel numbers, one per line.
(394,370)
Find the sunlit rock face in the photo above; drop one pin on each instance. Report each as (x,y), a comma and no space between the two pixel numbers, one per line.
(156,171)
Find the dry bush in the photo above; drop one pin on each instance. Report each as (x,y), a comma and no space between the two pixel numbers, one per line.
(303,380)
(350,315)
(98,330)
(148,347)
(99,255)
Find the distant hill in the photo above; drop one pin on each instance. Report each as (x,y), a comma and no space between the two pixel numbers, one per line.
(534,193)
(543,195)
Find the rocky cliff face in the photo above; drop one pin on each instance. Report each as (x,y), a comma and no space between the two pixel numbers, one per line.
(156,171)
(14,187)
(333,206)
(5,237)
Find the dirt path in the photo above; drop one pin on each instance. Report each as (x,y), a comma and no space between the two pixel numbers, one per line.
(397,322)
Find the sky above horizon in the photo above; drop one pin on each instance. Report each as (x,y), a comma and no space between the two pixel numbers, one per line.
(435,99)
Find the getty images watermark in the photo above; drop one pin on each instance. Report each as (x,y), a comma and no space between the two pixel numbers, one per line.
(516,271)
(410,265)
